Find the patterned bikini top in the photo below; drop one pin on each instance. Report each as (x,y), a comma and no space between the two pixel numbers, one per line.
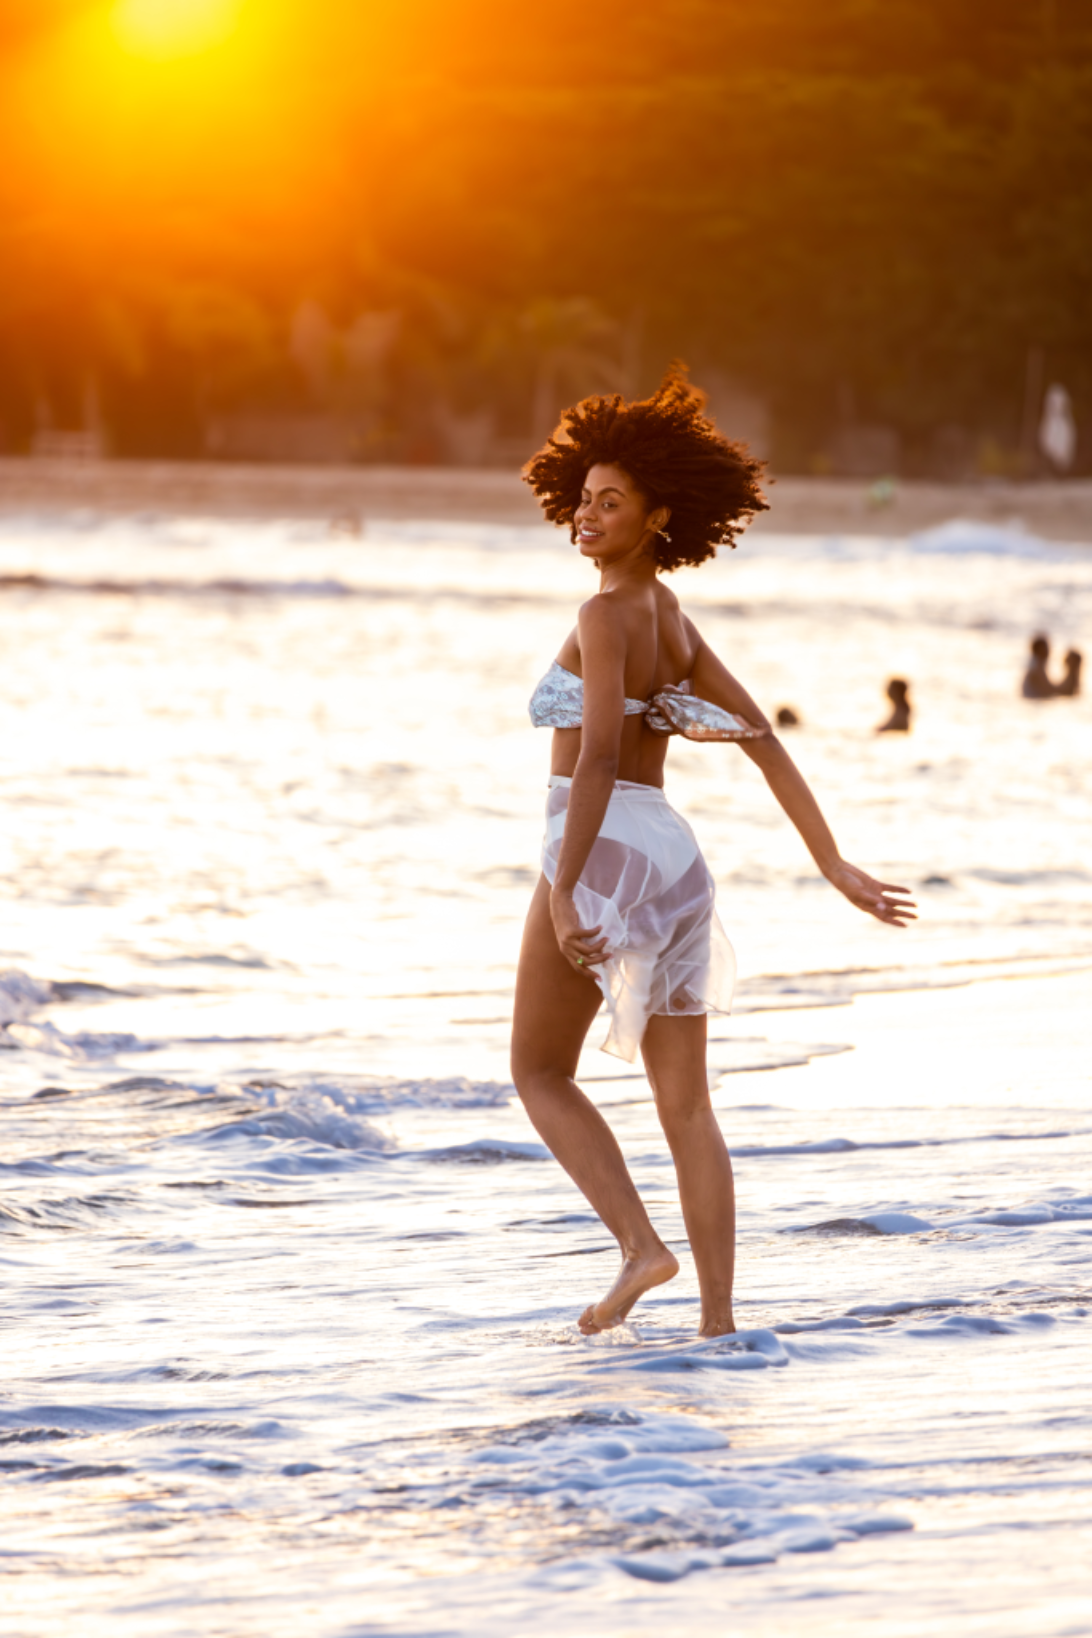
(558,702)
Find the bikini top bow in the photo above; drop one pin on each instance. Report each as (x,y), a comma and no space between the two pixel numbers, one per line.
(558,702)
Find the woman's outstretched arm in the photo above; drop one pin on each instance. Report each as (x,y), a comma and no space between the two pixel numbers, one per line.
(884,900)
(713,681)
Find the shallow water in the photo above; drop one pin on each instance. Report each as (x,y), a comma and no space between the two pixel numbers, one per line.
(289,1280)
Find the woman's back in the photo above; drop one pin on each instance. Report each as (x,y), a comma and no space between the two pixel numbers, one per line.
(660,649)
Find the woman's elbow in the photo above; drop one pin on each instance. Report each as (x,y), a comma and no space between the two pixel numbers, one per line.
(765,750)
(600,761)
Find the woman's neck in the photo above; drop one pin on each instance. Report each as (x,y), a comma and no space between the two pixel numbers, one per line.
(636,568)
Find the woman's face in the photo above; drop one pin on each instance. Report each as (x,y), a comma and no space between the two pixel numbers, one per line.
(613,518)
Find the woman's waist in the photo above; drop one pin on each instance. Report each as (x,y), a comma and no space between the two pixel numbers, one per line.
(641,759)
(621,787)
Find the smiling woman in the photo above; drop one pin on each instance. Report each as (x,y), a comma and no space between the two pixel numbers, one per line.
(165,29)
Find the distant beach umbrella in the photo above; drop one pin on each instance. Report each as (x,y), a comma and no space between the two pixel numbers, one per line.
(1058,429)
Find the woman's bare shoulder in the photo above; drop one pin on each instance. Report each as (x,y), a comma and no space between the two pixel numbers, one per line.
(601,614)
(679,622)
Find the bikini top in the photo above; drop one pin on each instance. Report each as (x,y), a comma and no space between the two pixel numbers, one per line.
(558,702)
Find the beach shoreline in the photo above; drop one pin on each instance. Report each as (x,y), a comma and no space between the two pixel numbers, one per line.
(352,495)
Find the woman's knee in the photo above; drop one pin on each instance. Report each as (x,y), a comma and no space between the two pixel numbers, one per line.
(533,1072)
(679,1107)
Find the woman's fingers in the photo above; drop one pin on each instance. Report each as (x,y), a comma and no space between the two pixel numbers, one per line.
(583,949)
(877,887)
(580,935)
(896,913)
(887,901)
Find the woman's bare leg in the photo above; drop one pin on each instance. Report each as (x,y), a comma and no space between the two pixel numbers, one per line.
(674,1054)
(553,1013)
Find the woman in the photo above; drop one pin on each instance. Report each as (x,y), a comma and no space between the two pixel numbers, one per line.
(624,909)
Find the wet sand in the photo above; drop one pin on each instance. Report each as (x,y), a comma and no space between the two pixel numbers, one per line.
(1056,510)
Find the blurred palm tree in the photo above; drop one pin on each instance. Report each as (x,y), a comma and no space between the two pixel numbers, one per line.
(576,349)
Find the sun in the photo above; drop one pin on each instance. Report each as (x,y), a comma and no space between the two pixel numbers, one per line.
(166,29)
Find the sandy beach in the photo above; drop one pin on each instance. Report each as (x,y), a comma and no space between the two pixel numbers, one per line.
(1052,509)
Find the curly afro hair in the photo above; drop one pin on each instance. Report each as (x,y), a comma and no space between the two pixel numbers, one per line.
(671,451)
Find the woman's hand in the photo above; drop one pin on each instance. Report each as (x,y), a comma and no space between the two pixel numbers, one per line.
(880,899)
(579,945)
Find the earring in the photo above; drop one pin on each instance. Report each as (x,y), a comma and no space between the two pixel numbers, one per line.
(663,534)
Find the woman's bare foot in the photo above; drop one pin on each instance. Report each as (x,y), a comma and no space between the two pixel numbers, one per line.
(719,1325)
(636,1276)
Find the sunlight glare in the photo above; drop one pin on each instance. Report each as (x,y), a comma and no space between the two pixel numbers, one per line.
(164,29)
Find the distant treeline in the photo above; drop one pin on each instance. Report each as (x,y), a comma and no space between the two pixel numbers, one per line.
(412,229)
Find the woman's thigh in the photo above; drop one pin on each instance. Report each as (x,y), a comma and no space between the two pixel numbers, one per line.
(555,1006)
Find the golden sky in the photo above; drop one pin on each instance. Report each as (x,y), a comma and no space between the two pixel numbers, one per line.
(137,121)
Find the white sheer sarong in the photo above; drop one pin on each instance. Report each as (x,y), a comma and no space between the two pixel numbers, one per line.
(648,887)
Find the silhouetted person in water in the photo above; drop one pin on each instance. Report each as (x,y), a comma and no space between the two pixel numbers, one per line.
(1070,684)
(898,692)
(1037,685)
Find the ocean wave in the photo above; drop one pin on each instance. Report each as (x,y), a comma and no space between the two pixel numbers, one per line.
(750,1350)
(184,588)
(838,986)
(963,537)
(882,1222)
(843,1145)
(486,1152)
(957,537)
(844,1339)
(67,1213)
(653,1495)
(319,1115)
(332,1112)
(662,1496)
(376,1094)
(84,1047)
(304,590)
(21,995)
(745,1055)
(1075,1209)
(1034,1214)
